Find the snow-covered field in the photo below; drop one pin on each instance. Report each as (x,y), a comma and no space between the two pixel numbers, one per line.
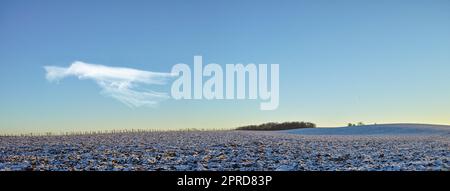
(230,150)
(381,130)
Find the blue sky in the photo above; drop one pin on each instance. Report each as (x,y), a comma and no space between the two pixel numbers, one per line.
(340,61)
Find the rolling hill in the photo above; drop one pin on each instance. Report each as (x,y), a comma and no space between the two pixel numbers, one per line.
(382,129)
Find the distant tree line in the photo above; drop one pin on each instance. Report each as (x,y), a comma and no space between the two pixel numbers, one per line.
(278,126)
(115,131)
(353,124)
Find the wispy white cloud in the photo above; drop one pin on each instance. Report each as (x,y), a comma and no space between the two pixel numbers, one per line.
(124,84)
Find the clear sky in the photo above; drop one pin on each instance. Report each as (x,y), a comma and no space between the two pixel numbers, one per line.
(340,61)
